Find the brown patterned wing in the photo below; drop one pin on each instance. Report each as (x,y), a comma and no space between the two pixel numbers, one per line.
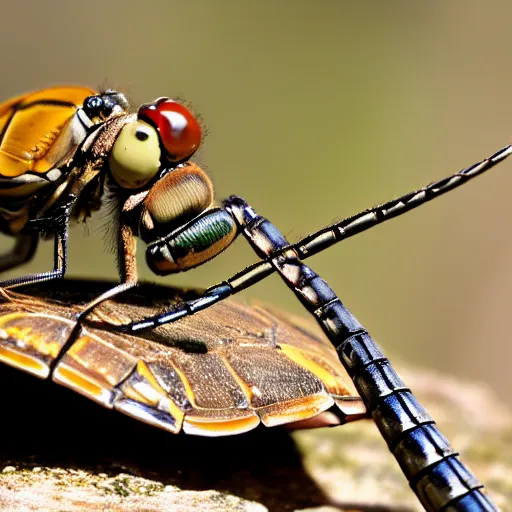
(220,372)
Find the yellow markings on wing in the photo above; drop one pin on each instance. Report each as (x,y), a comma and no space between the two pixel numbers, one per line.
(17,326)
(79,383)
(154,400)
(297,356)
(26,363)
(209,428)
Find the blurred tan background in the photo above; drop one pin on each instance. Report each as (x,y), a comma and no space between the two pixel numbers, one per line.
(315,111)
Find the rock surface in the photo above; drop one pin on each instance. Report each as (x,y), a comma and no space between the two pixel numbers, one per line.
(61,452)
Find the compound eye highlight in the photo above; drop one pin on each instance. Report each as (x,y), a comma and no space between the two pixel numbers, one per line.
(179,130)
(135,156)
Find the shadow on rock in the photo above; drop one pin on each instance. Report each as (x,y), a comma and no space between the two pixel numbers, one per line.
(46,425)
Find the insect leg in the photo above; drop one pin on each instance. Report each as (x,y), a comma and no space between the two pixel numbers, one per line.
(58,224)
(127,267)
(24,248)
(311,244)
(59,269)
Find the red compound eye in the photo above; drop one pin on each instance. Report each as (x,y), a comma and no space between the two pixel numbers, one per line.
(178,128)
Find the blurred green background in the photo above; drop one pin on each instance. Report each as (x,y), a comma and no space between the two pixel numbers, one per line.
(316,110)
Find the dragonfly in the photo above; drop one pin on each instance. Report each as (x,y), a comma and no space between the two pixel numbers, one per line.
(86,145)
